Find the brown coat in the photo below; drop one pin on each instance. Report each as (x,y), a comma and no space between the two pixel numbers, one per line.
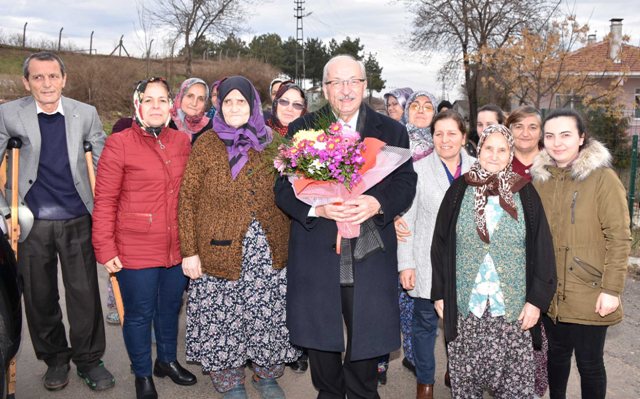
(215,211)
(587,212)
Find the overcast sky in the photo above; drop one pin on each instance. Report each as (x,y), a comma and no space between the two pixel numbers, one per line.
(381,26)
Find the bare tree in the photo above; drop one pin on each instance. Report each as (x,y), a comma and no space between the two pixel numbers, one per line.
(463,28)
(192,20)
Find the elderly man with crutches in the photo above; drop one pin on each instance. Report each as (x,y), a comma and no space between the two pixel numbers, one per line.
(55,205)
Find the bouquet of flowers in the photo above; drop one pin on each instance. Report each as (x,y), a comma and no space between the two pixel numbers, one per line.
(334,155)
(323,165)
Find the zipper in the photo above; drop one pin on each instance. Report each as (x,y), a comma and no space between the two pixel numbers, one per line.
(564,282)
(573,207)
(162,147)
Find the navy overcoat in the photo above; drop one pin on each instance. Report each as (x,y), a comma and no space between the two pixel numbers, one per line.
(314,314)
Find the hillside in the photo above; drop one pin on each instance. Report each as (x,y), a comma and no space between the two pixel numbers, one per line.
(107,81)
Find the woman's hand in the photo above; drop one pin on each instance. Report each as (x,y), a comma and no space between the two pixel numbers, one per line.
(529,316)
(113,265)
(191,267)
(408,279)
(439,307)
(402,229)
(606,304)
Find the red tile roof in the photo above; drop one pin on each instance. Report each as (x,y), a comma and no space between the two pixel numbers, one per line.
(595,58)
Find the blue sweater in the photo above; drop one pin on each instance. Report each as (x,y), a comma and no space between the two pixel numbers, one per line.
(53,195)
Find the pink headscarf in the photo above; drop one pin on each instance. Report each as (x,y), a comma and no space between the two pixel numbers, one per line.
(189,124)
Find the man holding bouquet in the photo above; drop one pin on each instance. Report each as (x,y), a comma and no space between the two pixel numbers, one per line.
(333,279)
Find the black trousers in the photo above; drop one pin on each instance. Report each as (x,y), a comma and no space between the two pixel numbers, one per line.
(334,378)
(588,344)
(38,272)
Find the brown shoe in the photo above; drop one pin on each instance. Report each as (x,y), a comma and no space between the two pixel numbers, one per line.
(424,391)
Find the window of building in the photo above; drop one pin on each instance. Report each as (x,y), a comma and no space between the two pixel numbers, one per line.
(636,108)
(568,101)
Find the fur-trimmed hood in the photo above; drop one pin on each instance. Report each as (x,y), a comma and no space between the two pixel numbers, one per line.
(593,156)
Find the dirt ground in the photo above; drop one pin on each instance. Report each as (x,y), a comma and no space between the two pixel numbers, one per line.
(622,357)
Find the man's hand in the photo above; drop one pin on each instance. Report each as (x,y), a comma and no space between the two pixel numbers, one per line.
(408,279)
(191,267)
(606,304)
(334,210)
(439,307)
(402,229)
(529,316)
(113,265)
(360,209)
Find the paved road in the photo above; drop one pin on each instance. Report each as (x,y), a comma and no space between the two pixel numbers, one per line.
(622,360)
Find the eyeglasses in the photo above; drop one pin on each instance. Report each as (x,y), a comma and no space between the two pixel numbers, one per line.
(425,107)
(285,103)
(353,82)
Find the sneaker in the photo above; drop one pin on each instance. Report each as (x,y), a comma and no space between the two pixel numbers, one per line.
(98,378)
(268,388)
(237,392)
(56,377)
(113,318)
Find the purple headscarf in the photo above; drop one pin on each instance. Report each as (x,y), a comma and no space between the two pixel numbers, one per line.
(253,134)
(401,95)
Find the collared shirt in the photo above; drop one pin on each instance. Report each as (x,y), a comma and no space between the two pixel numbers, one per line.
(352,122)
(59,109)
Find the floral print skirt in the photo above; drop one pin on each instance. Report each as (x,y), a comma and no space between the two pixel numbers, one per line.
(232,321)
(491,354)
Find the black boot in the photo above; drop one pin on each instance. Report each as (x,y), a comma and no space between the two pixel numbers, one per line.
(175,371)
(300,365)
(145,389)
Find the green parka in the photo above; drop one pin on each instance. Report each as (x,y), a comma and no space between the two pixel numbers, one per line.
(587,211)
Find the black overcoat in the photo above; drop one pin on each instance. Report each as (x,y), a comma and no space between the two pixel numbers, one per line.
(314,315)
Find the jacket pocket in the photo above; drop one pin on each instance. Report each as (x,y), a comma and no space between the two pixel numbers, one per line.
(138,222)
(586,273)
(221,243)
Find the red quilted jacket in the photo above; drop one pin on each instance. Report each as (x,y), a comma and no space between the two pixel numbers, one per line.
(136,203)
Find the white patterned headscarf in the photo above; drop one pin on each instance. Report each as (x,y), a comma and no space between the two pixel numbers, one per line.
(503,183)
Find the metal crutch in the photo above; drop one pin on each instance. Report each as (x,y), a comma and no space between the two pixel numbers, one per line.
(14,145)
(88,155)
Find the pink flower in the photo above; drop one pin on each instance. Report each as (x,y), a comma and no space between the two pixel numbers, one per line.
(350,136)
(279,164)
(335,128)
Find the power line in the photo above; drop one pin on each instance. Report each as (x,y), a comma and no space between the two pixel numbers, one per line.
(300,64)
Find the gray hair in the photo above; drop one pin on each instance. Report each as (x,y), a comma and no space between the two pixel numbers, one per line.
(339,57)
(42,56)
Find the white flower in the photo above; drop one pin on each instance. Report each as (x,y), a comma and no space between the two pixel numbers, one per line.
(320,145)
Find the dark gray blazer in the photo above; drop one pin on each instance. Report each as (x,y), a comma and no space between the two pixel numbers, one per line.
(19,119)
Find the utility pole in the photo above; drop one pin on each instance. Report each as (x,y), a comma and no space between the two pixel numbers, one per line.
(91,44)
(300,64)
(632,177)
(60,38)
(24,35)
